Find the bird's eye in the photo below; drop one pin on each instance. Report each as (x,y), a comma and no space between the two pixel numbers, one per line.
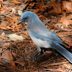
(25,18)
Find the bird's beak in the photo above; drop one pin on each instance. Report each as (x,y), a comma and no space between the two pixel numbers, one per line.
(19,21)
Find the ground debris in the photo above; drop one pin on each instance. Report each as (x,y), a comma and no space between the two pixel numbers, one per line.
(17,50)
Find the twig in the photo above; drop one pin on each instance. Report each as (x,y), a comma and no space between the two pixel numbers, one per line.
(59,63)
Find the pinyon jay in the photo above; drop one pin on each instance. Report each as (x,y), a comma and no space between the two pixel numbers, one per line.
(42,37)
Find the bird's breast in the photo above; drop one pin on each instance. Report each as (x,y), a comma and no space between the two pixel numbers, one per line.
(39,42)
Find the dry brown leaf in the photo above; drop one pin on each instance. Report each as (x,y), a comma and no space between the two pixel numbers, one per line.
(15,1)
(15,27)
(7,56)
(11,24)
(5,45)
(20,63)
(56,7)
(4,27)
(1,0)
(5,10)
(66,20)
(66,37)
(67,6)
(12,19)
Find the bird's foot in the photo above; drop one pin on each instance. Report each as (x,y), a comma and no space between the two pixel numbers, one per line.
(37,57)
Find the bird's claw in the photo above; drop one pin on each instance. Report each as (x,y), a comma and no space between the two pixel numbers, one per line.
(37,57)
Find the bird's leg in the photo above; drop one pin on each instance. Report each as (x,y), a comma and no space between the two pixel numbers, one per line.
(38,54)
(42,50)
(38,51)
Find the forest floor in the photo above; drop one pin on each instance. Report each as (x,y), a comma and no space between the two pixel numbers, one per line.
(17,49)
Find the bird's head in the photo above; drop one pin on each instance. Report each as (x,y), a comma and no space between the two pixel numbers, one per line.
(26,16)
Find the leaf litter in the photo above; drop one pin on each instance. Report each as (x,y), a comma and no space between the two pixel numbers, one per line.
(17,50)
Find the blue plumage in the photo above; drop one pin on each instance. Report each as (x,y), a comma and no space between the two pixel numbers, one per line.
(42,37)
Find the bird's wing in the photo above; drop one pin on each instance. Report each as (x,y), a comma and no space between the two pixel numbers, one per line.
(51,36)
(55,45)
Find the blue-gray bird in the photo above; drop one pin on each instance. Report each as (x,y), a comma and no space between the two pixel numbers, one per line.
(42,37)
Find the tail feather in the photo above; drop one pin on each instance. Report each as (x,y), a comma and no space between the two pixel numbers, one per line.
(63,51)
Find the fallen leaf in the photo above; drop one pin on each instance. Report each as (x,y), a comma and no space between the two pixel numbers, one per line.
(66,20)
(12,19)
(1,0)
(8,58)
(66,37)
(67,6)
(4,27)
(7,55)
(5,10)
(15,37)
(56,7)
(15,1)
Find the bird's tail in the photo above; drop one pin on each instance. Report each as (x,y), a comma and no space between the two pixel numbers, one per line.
(63,51)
